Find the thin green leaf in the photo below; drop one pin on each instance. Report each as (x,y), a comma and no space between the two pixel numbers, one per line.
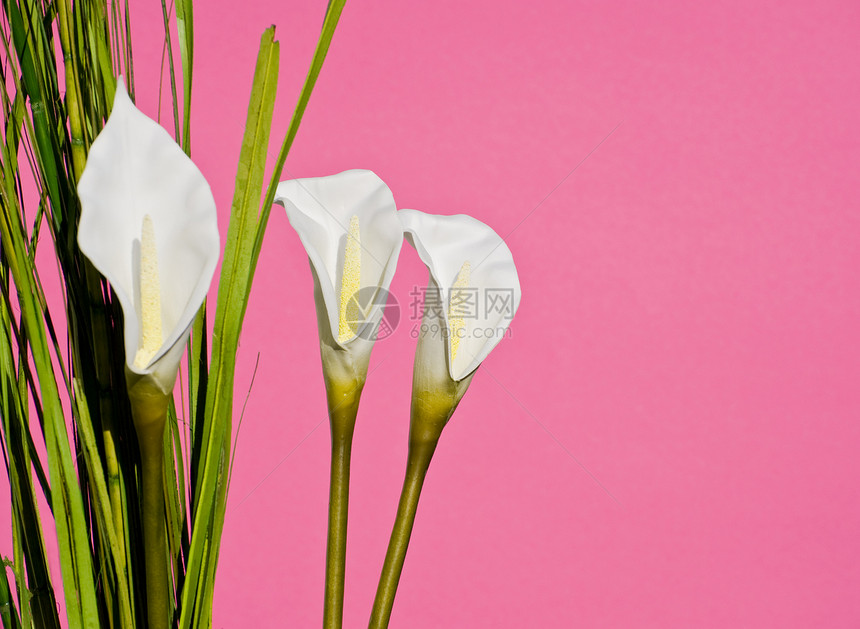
(185,28)
(75,553)
(102,505)
(208,465)
(8,614)
(332,16)
(168,50)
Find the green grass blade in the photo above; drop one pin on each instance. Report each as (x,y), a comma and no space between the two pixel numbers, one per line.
(244,241)
(8,613)
(103,510)
(168,46)
(185,28)
(46,148)
(26,528)
(213,436)
(198,378)
(18,442)
(174,489)
(72,532)
(332,16)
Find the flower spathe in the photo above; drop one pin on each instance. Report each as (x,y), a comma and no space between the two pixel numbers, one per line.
(349,227)
(149,225)
(473,282)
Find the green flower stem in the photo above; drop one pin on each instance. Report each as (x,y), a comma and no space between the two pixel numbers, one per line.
(418,461)
(435,397)
(342,416)
(149,408)
(154,535)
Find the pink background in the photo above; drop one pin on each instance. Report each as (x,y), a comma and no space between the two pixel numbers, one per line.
(670,436)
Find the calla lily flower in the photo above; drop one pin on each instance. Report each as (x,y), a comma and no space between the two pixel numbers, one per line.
(349,227)
(473,291)
(149,225)
(472,296)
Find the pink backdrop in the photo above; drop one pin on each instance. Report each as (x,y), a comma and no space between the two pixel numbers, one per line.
(669,438)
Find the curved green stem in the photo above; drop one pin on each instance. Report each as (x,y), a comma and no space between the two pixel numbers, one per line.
(434,399)
(418,461)
(342,429)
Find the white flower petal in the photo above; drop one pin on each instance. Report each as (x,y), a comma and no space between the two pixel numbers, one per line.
(444,244)
(134,169)
(320,210)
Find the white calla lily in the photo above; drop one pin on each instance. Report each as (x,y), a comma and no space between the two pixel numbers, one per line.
(149,225)
(349,226)
(472,296)
(473,283)
(350,229)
